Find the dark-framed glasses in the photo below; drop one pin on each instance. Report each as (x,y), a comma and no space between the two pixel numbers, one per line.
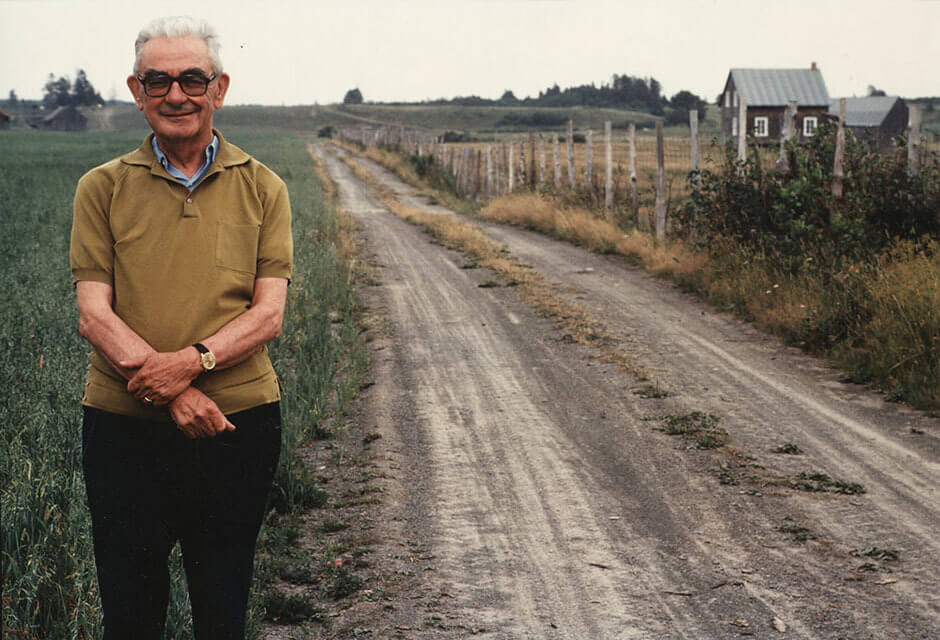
(192,83)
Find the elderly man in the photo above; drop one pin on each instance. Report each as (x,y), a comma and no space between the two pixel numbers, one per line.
(181,253)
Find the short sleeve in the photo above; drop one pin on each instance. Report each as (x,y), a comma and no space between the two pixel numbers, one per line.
(276,245)
(91,252)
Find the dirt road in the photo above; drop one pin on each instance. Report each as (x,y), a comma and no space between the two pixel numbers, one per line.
(541,494)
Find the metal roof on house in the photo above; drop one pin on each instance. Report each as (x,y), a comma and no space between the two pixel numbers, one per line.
(775,87)
(864,112)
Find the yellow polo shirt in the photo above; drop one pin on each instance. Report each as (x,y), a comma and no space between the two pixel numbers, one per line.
(182,264)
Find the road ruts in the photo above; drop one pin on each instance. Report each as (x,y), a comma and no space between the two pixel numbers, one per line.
(555,509)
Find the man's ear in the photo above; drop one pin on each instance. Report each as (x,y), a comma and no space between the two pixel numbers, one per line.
(222,81)
(136,90)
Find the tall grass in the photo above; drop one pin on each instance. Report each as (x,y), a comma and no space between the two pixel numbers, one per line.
(49,585)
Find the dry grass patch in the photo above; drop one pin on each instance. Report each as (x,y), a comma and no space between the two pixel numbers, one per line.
(344,238)
(583,227)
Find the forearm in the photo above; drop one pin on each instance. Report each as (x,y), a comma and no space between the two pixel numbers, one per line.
(247,334)
(107,333)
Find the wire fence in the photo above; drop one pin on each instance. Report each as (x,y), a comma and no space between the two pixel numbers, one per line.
(641,174)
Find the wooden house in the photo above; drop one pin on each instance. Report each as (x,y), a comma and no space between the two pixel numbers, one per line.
(5,119)
(63,119)
(875,120)
(766,93)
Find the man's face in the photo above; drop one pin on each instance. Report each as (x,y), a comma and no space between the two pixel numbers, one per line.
(177,117)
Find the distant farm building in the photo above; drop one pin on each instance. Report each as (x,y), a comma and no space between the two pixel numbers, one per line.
(62,119)
(766,93)
(876,120)
(5,119)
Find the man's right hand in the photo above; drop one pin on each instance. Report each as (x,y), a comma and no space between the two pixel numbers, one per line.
(197,416)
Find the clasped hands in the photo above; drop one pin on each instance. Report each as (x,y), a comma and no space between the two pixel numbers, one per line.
(164,379)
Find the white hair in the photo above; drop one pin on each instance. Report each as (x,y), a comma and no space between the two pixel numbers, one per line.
(175,27)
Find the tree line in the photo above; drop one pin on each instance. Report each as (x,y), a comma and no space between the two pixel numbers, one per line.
(623,92)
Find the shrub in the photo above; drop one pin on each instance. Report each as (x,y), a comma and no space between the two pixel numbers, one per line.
(792,217)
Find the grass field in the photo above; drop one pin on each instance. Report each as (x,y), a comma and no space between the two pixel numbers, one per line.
(431,119)
(49,588)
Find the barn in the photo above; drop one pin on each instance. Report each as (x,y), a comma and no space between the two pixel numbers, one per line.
(63,119)
(876,120)
(766,93)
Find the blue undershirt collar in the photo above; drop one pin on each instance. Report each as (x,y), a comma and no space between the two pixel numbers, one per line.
(181,177)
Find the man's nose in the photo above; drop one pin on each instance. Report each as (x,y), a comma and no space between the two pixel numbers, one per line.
(175,94)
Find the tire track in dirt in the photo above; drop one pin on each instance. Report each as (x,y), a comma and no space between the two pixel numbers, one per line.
(555,509)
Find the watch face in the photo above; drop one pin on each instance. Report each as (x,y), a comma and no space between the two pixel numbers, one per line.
(208,361)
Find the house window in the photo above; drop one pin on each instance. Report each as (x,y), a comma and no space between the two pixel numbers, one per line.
(760,127)
(734,94)
(734,126)
(809,126)
(727,98)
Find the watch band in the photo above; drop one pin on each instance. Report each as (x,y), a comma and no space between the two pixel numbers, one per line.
(206,357)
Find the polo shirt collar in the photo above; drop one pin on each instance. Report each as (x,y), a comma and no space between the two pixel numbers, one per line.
(182,178)
(228,155)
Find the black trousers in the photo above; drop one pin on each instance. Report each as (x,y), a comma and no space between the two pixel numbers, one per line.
(148,487)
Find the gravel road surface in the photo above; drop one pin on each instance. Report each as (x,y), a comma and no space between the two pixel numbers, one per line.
(541,493)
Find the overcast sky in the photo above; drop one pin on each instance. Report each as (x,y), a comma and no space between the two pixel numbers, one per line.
(312,51)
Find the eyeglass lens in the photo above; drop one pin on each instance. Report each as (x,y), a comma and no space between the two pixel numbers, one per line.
(192,84)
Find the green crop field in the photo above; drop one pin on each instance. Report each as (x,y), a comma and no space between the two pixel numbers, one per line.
(49,587)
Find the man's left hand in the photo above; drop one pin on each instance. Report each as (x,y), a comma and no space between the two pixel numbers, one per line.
(162,376)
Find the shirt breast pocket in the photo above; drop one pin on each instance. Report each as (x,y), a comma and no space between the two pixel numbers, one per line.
(236,247)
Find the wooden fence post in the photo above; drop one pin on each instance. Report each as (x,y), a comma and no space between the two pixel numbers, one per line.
(512,167)
(742,134)
(787,132)
(498,151)
(660,182)
(634,200)
(490,188)
(531,171)
(588,158)
(480,186)
(913,139)
(522,166)
(556,162)
(570,141)
(541,159)
(693,133)
(608,171)
(471,156)
(840,152)
(468,171)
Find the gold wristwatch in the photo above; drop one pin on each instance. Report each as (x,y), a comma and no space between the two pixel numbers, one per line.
(206,357)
